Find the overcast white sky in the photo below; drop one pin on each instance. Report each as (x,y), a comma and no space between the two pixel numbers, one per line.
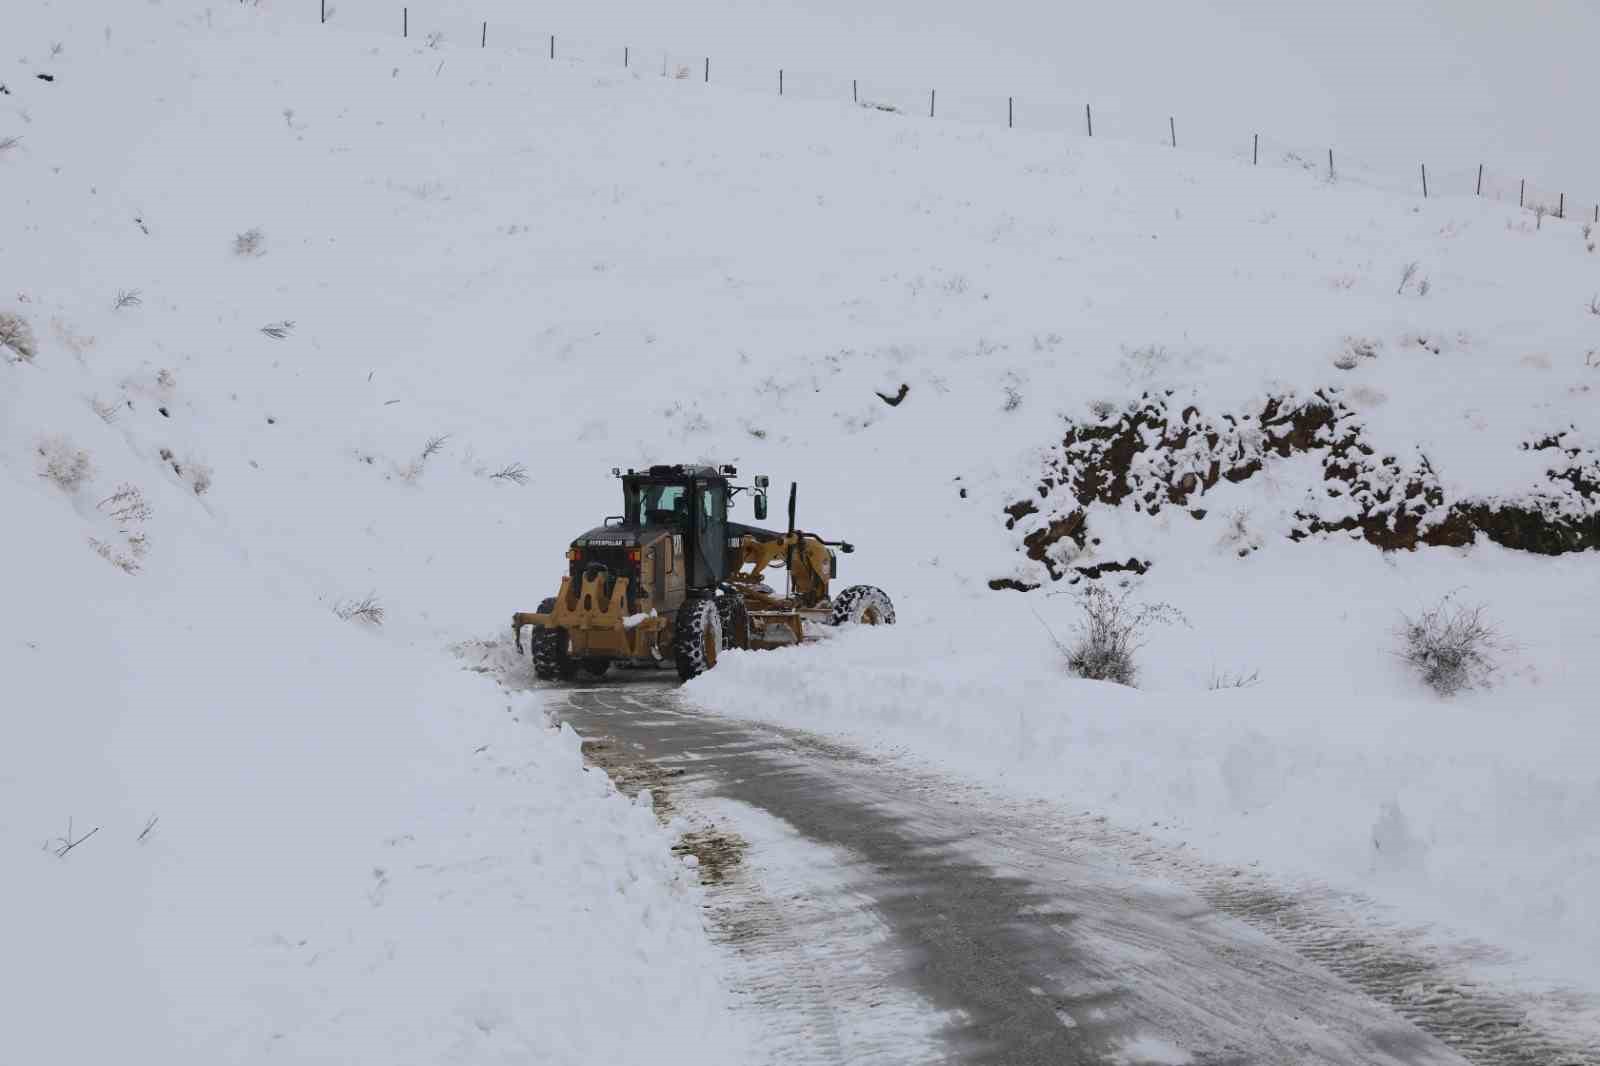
(1394,82)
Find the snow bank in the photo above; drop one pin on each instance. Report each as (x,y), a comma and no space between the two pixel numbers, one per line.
(307,840)
(297,837)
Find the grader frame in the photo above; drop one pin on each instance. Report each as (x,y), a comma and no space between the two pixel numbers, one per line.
(672,576)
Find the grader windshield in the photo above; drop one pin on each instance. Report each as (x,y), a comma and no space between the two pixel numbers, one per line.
(656,505)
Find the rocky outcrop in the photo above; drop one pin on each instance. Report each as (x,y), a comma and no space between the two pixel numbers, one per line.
(1149,457)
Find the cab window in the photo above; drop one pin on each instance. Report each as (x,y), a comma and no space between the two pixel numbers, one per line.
(660,504)
(711,506)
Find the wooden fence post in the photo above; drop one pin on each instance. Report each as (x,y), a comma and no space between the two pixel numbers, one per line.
(855,91)
(1255,151)
(1172,126)
(780,81)
(1011,112)
(625,57)
(552,46)
(1424,181)
(1330,164)
(484,41)
(324,11)
(1088,116)
(1480,180)
(405,22)
(931,94)
(708,70)
(1561,212)
(1522,193)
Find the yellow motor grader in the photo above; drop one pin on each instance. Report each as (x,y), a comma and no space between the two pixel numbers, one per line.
(671,579)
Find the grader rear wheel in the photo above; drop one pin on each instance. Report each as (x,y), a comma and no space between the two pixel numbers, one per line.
(696,637)
(865,605)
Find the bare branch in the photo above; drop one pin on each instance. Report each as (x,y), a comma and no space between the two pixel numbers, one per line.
(1406,275)
(367,609)
(1223,679)
(516,473)
(68,842)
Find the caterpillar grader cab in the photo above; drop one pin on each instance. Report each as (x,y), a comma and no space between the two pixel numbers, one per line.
(674,580)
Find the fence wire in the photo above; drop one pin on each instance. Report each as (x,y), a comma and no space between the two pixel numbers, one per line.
(1105,117)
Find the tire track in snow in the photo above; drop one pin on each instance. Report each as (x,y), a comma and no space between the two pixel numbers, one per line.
(807,954)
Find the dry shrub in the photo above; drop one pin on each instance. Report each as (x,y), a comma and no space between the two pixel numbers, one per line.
(1110,634)
(128,561)
(126,505)
(68,466)
(16,337)
(367,609)
(1451,646)
(250,244)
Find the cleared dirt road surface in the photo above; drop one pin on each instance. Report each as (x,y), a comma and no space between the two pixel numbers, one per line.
(879,914)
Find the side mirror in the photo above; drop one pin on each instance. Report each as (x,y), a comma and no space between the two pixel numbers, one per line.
(761,505)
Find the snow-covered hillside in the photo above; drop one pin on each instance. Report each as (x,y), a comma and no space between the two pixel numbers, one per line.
(1391,83)
(307,291)
(298,836)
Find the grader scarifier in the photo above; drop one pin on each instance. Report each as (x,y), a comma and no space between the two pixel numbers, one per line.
(671,579)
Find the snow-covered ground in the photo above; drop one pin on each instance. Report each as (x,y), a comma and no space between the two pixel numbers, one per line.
(570,268)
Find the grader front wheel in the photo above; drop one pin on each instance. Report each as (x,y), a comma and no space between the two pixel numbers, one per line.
(865,605)
(552,659)
(734,616)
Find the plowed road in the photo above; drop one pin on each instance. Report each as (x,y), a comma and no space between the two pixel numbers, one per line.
(878,914)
